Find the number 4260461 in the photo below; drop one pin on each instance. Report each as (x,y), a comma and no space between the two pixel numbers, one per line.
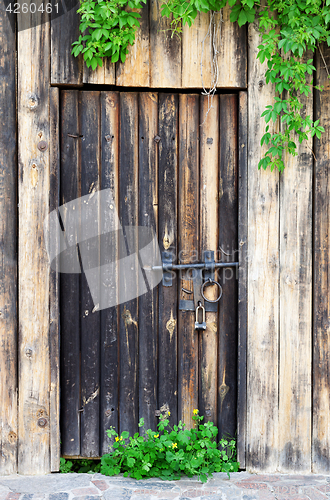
(24,8)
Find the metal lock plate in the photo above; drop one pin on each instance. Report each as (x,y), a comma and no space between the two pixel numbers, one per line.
(198,325)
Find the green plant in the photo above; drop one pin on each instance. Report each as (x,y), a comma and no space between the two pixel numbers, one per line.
(289,30)
(79,465)
(107,29)
(170,452)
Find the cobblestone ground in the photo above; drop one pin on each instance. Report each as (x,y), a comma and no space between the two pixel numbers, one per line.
(240,486)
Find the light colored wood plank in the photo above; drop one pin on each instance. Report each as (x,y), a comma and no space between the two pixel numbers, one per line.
(8,252)
(295,375)
(105,75)
(321,327)
(33,192)
(209,223)
(135,71)
(263,283)
(165,56)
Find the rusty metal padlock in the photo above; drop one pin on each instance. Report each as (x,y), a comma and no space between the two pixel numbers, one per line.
(198,325)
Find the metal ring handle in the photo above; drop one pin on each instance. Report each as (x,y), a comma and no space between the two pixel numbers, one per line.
(208,283)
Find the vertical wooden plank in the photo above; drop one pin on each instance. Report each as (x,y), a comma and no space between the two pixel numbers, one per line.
(128,212)
(8,249)
(148,217)
(168,229)
(242,275)
(105,75)
(135,71)
(109,316)
(70,283)
(165,56)
(54,291)
(90,315)
(232,58)
(321,309)
(33,294)
(263,285)
(188,239)
(228,236)
(193,53)
(209,223)
(295,375)
(65,68)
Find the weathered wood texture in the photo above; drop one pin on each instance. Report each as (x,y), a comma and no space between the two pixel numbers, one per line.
(8,249)
(156,60)
(321,326)
(33,294)
(263,282)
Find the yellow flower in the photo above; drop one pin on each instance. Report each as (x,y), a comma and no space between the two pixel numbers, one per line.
(195,412)
(156,435)
(174,445)
(168,413)
(117,439)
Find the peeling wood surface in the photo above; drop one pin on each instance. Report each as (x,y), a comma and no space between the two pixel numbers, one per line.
(228,236)
(8,249)
(33,292)
(209,233)
(321,306)
(263,282)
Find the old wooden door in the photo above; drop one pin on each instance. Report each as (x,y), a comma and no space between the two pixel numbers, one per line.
(172,166)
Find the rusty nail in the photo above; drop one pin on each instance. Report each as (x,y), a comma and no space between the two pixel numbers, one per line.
(75,136)
(28,353)
(108,413)
(108,138)
(157,139)
(42,145)
(157,413)
(42,422)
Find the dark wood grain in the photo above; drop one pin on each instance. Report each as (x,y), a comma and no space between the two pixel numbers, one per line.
(70,283)
(8,247)
(148,217)
(168,234)
(228,241)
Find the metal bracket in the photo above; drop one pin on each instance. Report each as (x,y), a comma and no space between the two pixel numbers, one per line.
(167,267)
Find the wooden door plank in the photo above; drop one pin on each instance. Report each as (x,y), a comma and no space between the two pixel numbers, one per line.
(321,308)
(70,283)
(8,246)
(65,68)
(209,224)
(295,375)
(188,239)
(232,58)
(242,276)
(54,291)
(33,294)
(109,316)
(263,285)
(148,217)
(105,75)
(135,71)
(228,239)
(165,56)
(168,229)
(128,286)
(89,314)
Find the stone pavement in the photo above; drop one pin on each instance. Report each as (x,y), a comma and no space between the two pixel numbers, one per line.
(240,486)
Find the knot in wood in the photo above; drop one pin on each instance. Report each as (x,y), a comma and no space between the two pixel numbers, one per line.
(261,83)
(33,101)
(28,353)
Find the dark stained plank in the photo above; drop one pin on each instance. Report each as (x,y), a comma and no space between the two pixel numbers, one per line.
(321,340)
(209,224)
(168,229)
(8,248)
(54,287)
(65,68)
(33,72)
(70,283)
(89,314)
(242,276)
(188,251)
(148,217)
(109,316)
(128,285)
(228,241)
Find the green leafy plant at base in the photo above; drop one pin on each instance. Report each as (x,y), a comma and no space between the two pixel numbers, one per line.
(79,465)
(170,453)
(289,29)
(107,29)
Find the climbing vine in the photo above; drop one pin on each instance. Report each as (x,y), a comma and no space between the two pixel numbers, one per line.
(291,31)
